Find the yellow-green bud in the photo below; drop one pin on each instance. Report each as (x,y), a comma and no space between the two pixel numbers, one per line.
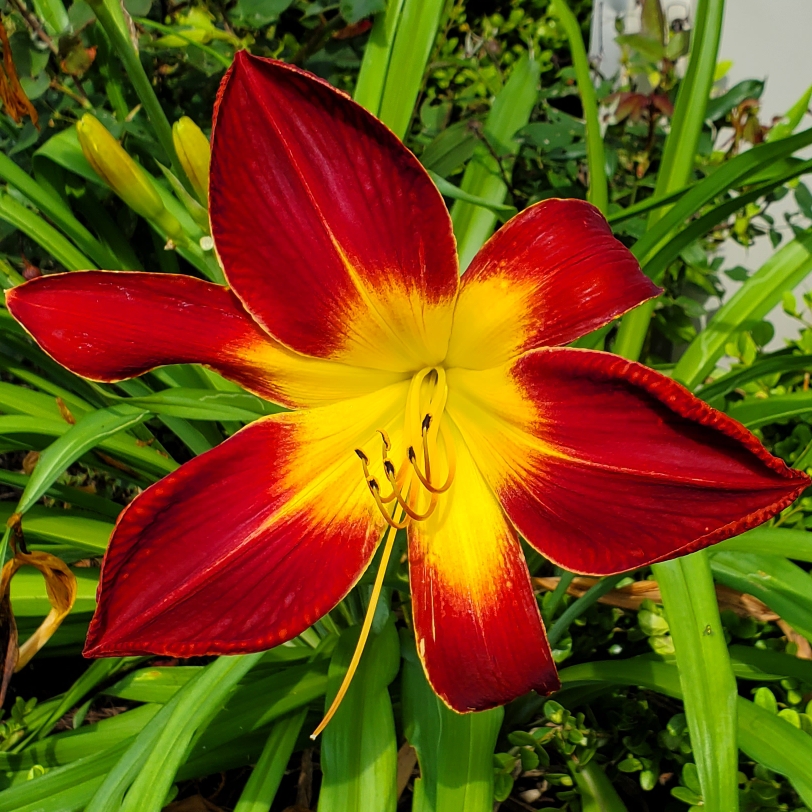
(194,154)
(117,169)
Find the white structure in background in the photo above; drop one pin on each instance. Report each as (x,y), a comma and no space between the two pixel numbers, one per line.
(604,52)
(764,39)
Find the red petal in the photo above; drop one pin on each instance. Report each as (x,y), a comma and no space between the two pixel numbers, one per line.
(247,545)
(605,466)
(108,326)
(329,230)
(549,276)
(477,624)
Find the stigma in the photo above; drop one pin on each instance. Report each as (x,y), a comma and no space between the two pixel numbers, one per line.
(412,489)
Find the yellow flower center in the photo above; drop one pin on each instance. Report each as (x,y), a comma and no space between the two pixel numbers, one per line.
(414,486)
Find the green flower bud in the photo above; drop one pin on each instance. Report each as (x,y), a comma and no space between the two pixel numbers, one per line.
(117,169)
(194,154)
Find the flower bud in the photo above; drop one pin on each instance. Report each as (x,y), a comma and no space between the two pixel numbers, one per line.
(194,154)
(117,169)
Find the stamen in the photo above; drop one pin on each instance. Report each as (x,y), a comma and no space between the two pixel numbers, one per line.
(379,501)
(367,625)
(388,465)
(426,455)
(371,482)
(407,509)
(451,455)
(407,491)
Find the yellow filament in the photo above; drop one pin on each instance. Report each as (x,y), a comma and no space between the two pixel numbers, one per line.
(412,514)
(379,501)
(367,625)
(426,455)
(372,482)
(451,455)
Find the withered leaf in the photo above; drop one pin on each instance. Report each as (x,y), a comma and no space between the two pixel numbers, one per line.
(60,584)
(633,595)
(15,102)
(8,645)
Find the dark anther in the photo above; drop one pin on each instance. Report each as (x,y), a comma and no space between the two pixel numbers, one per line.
(361,455)
(426,422)
(412,455)
(373,484)
(389,468)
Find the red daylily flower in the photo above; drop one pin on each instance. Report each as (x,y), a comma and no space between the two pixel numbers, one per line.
(346,304)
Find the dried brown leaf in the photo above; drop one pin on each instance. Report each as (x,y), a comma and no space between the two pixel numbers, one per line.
(804,648)
(633,595)
(30,461)
(407,759)
(60,584)
(67,416)
(15,102)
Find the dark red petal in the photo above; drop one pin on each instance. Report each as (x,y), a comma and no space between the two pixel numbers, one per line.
(550,275)
(247,545)
(108,326)
(329,230)
(477,624)
(604,465)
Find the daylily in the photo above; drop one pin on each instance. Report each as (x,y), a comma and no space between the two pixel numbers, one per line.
(420,398)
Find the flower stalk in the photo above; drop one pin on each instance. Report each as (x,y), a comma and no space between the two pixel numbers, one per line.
(110,15)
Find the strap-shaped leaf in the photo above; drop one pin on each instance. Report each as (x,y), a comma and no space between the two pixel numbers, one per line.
(358,748)
(96,428)
(756,297)
(455,751)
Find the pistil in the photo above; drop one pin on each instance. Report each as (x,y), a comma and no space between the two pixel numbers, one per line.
(405,492)
(366,626)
